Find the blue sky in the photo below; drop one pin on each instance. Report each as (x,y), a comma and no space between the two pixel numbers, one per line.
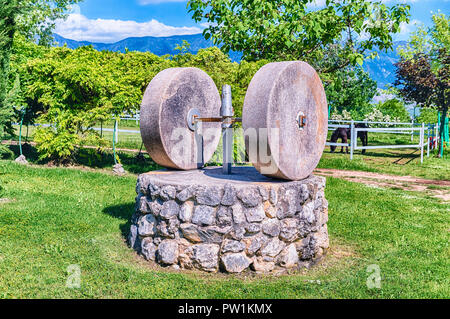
(113,20)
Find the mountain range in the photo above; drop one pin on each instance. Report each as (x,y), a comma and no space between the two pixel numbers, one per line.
(381,69)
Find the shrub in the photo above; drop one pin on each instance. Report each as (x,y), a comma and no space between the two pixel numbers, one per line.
(395,109)
(377,116)
(56,145)
(427,115)
(5,152)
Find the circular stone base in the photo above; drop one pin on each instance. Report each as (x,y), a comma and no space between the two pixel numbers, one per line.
(206,220)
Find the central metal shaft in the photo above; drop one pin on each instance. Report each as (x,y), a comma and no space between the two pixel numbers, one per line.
(226,111)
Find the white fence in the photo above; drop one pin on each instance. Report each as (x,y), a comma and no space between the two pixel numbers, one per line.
(431,130)
(411,130)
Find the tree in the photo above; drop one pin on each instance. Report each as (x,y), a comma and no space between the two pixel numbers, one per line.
(395,108)
(288,29)
(350,89)
(423,73)
(427,115)
(77,89)
(23,51)
(31,18)
(8,13)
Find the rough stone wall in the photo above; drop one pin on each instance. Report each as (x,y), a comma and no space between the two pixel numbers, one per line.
(231,227)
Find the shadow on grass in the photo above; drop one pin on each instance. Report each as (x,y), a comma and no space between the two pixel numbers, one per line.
(387,154)
(132,162)
(124,213)
(28,150)
(95,158)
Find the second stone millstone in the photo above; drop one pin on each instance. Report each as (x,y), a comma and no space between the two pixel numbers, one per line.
(285,119)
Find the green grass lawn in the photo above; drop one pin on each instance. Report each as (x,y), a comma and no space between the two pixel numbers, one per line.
(56,217)
(390,161)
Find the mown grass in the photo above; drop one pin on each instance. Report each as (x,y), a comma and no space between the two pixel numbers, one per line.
(404,161)
(397,162)
(56,217)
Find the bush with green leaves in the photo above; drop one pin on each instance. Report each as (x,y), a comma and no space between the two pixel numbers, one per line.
(395,108)
(29,19)
(350,90)
(76,90)
(427,115)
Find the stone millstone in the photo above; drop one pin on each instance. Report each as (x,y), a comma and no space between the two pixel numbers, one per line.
(167,100)
(277,94)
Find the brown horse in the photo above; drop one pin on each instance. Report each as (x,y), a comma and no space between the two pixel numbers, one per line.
(345,134)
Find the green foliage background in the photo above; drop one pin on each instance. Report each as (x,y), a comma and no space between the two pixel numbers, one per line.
(76,90)
(395,108)
(30,19)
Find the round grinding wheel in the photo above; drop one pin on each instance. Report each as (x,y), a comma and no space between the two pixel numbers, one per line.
(169,98)
(285,119)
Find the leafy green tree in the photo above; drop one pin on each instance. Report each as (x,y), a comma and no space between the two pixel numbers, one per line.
(31,18)
(219,66)
(395,108)
(36,18)
(423,73)
(352,90)
(8,13)
(288,29)
(77,89)
(427,115)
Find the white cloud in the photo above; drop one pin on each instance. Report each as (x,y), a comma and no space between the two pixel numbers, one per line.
(316,4)
(78,27)
(319,4)
(407,28)
(146,2)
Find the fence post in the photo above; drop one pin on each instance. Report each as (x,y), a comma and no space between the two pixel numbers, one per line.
(116,131)
(422,135)
(352,139)
(436,136)
(412,131)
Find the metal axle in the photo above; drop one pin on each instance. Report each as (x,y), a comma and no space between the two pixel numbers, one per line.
(227,119)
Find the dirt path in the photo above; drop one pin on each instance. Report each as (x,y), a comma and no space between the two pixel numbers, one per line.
(435,188)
